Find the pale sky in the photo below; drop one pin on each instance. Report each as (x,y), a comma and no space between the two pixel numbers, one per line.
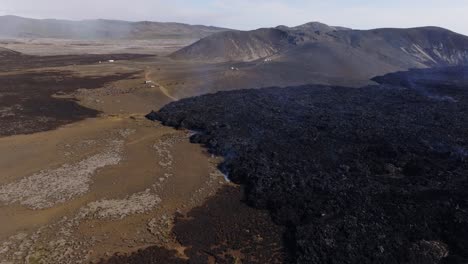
(251,14)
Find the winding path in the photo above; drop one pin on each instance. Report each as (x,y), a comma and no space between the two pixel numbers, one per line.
(163,89)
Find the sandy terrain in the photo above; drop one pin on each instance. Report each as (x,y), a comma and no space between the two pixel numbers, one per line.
(43,47)
(95,186)
(106,184)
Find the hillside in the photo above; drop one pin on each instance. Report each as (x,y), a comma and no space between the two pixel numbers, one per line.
(255,44)
(414,47)
(313,27)
(237,45)
(19,27)
(333,51)
(7,53)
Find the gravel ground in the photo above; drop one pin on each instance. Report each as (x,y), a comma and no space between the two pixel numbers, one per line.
(48,188)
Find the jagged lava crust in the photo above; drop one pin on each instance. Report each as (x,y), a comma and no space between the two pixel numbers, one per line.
(377,174)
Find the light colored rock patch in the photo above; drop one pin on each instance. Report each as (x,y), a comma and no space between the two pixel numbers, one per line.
(163,148)
(119,208)
(165,157)
(10,111)
(125,133)
(420,53)
(57,243)
(47,246)
(47,188)
(161,227)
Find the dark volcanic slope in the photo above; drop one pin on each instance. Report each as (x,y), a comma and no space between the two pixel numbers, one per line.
(8,53)
(237,46)
(313,27)
(413,47)
(425,46)
(437,78)
(13,26)
(253,45)
(371,175)
(333,51)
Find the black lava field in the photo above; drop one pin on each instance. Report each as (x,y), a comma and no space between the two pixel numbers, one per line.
(377,174)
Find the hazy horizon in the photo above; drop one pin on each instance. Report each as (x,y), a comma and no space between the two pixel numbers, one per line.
(247,15)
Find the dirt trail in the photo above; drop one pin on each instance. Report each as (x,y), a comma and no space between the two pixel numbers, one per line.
(163,89)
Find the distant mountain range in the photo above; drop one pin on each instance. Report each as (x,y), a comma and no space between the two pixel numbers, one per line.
(333,51)
(313,52)
(19,27)
(4,52)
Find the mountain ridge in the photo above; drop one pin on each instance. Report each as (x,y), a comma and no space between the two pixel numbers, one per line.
(20,27)
(318,32)
(333,51)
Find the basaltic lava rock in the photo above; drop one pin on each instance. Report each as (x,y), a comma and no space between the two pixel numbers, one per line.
(371,175)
